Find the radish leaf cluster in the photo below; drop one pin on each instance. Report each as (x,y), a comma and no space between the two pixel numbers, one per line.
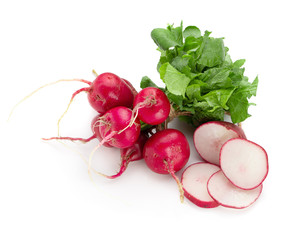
(200,76)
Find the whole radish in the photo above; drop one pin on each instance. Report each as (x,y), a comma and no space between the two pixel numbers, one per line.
(108,91)
(166,152)
(152,105)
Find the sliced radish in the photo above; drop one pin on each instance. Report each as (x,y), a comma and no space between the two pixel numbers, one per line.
(228,195)
(244,163)
(210,136)
(194,181)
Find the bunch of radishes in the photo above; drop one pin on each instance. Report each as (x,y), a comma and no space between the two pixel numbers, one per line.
(121,110)
(136,123)
(233,171)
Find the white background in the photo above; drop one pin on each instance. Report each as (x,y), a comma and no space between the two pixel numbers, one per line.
(45,189)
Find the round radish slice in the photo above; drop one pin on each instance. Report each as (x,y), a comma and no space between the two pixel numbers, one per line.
(228,195)
(210,137)
(244,163)
(194,181)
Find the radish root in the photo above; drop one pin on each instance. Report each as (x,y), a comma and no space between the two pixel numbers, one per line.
(46,85)
(74,94)
(172,173)
(105,139)
(84,140)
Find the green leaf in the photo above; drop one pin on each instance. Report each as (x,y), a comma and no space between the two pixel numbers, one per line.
(218,98)
(192,44)
(213,52)
(147,82)
(192,31)
(176,82)
(238,107)
(177,99)
(167,38)
(217,78)
(239,63)
(194,92)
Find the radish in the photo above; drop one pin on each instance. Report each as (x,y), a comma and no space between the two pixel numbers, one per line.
(244,163)
(209,138)
(151,105)
(166,152)
(194,181)
(114,127)
(108,91)
(228,195)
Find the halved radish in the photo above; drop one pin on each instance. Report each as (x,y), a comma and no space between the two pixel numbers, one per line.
(209,138)
(244,163)
(228,195)
(194,181)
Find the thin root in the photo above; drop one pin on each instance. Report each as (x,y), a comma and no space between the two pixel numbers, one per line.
(46,85)
(84,140)
(107,138)
(71,100)
(172,173)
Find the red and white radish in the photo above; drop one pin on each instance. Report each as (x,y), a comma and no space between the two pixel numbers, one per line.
(228,195)
(166,152)
(194,181)
(152,105)
(209,138)
(244,163)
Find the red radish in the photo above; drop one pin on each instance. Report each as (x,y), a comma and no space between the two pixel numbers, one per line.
(244,163)
(228,195)
(108,91)
(209,138)
(152,105)
(194,181)
(130,154)
(166,152)
(114,127)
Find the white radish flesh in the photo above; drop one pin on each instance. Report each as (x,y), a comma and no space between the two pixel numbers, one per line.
(244,163)
(228,195)
(194,181)
(210,136)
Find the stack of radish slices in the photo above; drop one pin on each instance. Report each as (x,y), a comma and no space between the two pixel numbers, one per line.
(233,171)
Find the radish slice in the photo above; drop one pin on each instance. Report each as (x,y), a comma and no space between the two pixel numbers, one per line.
(244,163)
(228,195)
(194,181)
(210,136)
